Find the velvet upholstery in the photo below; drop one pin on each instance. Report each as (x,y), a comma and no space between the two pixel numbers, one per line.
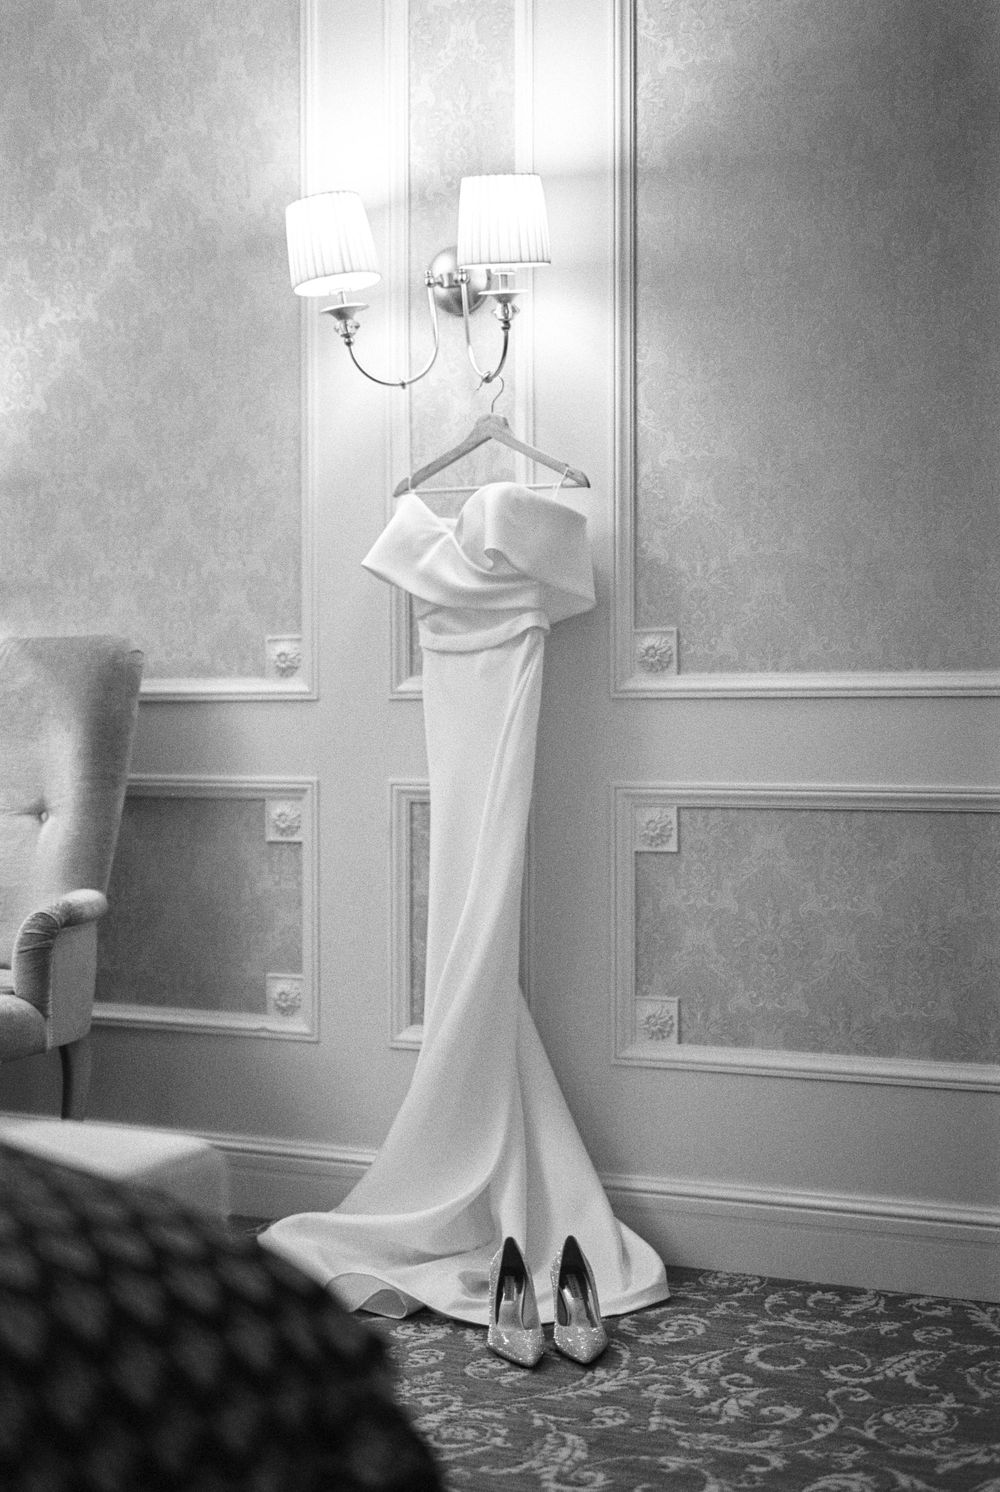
(68,708)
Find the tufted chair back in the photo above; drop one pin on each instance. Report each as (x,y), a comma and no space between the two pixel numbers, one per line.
(68,708)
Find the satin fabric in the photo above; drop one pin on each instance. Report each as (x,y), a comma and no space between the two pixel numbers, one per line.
(483,1144)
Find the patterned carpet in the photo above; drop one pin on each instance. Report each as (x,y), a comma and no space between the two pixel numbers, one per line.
(739,1383)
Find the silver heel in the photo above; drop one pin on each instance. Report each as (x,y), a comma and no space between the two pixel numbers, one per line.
(579,1331)
(515,1330)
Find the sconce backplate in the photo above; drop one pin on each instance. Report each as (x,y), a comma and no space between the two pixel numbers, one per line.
(442,273)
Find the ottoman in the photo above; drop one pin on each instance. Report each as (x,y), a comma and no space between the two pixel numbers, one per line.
(188,1169)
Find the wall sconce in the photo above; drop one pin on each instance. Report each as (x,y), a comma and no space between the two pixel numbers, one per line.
(502,226)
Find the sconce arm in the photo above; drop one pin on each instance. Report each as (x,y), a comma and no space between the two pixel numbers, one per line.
(347,329)
(505,312)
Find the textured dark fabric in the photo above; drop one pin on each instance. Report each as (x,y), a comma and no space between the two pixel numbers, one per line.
(739,1384)
(146,1348)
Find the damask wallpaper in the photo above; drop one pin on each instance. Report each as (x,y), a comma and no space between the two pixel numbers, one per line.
(864,933)
(818,332)
(149,343)
(203,906)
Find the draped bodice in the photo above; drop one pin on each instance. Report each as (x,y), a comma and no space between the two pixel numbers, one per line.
(511,560)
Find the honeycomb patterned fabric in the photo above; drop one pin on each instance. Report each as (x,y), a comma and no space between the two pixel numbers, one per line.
(143,1348)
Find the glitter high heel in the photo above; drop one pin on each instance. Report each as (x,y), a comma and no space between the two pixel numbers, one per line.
(579,1331)
(515,1330)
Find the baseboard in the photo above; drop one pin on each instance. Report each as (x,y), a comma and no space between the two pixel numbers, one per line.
(880,1243)
(273,1178)
(876,1243)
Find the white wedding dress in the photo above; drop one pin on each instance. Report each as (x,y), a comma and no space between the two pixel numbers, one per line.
(484,1144)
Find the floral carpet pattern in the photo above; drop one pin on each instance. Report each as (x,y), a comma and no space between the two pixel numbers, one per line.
(738,1383)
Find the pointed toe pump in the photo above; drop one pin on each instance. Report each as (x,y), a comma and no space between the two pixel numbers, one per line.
(579,1331)
(515,1330)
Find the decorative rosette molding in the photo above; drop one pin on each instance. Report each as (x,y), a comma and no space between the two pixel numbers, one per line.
(658,1021)
(284,656)
(656,653)
(283,820)
(655,827)
(287,1002)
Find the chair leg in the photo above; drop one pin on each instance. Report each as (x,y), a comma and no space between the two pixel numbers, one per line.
(75,1057)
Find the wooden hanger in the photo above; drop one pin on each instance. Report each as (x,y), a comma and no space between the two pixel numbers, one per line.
(491,427)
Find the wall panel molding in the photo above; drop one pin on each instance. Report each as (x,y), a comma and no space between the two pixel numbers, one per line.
(648,663)
(289,1001)
(648,817)
(222,690)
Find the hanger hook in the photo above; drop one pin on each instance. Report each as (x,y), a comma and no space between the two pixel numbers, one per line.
(496,396)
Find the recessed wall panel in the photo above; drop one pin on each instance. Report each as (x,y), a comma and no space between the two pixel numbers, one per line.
(456,66)
(211,916)
(409,882)
(149,342)
(813,219)
(409,900)
(461,122)
(764,925)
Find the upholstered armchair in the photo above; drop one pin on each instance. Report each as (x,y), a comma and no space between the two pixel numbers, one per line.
(68,709)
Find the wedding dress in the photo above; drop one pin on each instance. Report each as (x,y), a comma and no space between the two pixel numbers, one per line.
(483,1145)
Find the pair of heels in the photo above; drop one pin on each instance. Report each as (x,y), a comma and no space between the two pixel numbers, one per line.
(515,1330)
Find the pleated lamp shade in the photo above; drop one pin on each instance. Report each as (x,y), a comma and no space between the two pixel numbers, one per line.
(502,222)
(330,245)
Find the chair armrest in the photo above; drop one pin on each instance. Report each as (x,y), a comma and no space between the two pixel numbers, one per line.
(55,962)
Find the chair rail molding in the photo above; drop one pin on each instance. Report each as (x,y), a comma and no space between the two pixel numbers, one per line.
(289,1000)
(648,817)
(647,661)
